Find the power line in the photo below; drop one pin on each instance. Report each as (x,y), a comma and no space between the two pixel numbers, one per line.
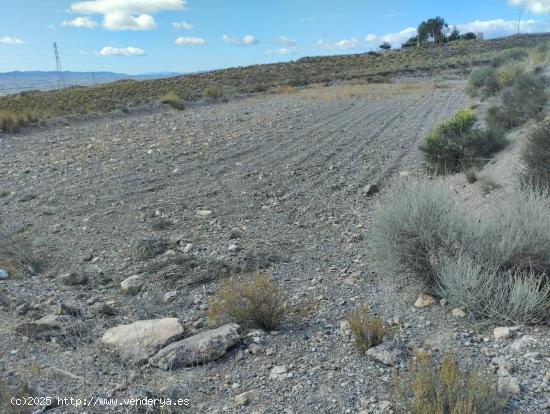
(60,76)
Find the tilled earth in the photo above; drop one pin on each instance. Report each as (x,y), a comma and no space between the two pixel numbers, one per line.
(290,172)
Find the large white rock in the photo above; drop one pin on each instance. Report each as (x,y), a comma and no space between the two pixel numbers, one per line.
(502,332)
(132,285)
(424,300)
(139,340)
(198,349)
(389,353)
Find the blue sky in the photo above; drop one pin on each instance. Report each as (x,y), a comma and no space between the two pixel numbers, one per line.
(139,36)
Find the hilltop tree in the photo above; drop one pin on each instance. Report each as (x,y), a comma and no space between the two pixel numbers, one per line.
(433,30)
(385,46)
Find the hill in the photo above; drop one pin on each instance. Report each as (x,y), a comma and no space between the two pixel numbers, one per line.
(20,81)
(459,55)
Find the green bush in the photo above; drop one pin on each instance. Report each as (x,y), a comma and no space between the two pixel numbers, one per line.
(455,145)
(525,99)
(535,157)
(482,82)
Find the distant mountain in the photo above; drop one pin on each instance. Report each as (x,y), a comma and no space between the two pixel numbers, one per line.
(14,82)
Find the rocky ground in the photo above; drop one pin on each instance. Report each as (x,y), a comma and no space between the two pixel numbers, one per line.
(182,199)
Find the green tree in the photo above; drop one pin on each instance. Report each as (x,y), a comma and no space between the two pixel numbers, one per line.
(454,35)
(385,46)
(433,30)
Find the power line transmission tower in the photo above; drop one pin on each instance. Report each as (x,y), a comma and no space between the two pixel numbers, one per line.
(60,76)
(519,22)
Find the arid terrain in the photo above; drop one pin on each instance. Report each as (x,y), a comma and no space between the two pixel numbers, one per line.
(278,181)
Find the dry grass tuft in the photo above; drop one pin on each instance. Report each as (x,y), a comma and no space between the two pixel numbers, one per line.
(172,99)
(13,121)
(254,301)
(367,330)
(446,388)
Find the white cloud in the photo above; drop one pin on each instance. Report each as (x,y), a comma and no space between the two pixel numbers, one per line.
(7,40)
(345,44)
(395,39)
(127,14)
(285,41)
(182,25)
(190,41)
(282,51)
(82,22)
(501,27)
(126,51)
(532,6)
(247,40)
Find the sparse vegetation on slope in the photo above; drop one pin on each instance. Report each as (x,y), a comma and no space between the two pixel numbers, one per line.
(365,67)
(525,99)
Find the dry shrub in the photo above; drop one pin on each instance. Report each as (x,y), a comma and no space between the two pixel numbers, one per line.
(525,99)
(471,175)
(367,330)
(172,99)
(213,92)
(535,157)
(506,74)
(511,296)
(14,255)
(13,121)
(14,385)
(445,388)
(487,185)
(286,90)
(415,223)
(254,301)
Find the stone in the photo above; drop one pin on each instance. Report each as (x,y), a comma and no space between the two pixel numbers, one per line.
(371,189)
(188,247)
(74,278)
(198,349)
(389,353)
(139,340)
(47,327)
(502,333)
(278,372)
(233,248)
(4,274)
(132,285)
(509,385)
(459,313)
(242,399)
(102,309)
(424,300)
(170,296)
(64,309)
(235,234)
(27,197)
(519,344)
(204,213)
(23,309)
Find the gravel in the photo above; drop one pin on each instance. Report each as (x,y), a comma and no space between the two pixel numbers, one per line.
(186,198)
